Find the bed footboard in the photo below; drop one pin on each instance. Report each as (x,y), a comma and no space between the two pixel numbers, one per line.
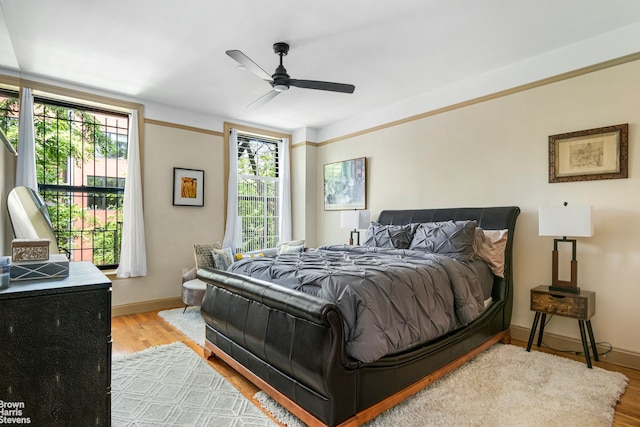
(291,340)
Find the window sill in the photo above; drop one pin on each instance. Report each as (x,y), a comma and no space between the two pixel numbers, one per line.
(111,274)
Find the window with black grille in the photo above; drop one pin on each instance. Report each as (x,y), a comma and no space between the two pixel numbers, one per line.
(81,164)
(258,191)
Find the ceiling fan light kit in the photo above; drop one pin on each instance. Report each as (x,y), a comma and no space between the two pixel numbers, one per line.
(280,81)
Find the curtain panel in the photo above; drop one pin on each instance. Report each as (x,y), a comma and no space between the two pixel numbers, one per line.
(26,162)
(133,253)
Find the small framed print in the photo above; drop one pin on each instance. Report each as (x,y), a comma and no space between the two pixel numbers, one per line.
(588,155)
(188,187)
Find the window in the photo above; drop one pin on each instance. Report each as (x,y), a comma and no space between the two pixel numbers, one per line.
(9,108)
(106,198)
(80,166)
(258,191)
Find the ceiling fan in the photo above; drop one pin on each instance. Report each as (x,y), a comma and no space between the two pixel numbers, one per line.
(280,81)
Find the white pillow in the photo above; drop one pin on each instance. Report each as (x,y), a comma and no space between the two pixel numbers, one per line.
(489,246)
(288,246)
(290,249)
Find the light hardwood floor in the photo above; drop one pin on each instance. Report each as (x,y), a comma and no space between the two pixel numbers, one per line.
(136,332)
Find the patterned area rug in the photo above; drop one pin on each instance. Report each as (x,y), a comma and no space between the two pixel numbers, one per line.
(171,385)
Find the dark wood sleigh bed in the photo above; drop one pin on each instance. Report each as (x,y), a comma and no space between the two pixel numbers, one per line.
(292,345)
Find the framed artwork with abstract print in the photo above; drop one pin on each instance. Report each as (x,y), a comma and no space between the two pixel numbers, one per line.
(345,185)
(188,187)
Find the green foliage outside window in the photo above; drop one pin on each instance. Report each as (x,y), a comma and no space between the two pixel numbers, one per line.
(67,137)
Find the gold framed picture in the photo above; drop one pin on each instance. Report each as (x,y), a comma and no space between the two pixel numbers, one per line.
(591,154)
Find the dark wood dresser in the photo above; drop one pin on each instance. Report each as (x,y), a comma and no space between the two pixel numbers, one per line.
(55,349)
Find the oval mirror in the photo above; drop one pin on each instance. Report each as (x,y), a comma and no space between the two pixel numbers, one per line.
(29,216)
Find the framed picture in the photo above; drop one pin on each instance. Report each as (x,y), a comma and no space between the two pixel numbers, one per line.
(591,154)
(188,187)
(345,185)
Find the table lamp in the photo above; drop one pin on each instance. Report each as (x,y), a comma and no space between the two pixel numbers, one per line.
(573,221)
(356,220)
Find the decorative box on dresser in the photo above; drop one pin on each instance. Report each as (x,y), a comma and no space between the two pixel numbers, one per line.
(55,349)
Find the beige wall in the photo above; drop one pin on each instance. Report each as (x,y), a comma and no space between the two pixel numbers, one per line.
(171,230)
(303,195)
(7,182)
(496,153)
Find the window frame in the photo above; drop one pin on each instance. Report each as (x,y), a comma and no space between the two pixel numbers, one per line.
(81,98)
(245,130)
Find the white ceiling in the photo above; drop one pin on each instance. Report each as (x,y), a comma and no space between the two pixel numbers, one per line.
(173,52)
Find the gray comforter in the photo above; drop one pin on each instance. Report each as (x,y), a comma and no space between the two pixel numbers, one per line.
(390,299)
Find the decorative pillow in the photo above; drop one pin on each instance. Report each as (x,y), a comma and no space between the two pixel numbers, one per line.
(202,254)
(288,244)
(389,236)
(290,249)
(245,256)
(489,246)
(450,238)
(222,258)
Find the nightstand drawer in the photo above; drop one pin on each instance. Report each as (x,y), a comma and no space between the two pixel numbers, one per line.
(579,306)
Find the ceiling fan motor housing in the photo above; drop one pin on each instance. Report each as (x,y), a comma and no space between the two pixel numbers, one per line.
(280,79)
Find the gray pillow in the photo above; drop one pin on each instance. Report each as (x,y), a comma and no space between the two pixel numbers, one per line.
(203,256)
(389,236)
(450,238)
(222,258)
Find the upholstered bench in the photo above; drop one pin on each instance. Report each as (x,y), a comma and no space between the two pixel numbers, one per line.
(193,291)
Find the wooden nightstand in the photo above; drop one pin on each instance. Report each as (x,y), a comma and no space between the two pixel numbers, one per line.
(580,306)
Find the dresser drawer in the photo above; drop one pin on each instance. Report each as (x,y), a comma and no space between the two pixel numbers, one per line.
(579,306)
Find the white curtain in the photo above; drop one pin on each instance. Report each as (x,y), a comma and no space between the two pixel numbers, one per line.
(26,166)
(284,207)
(231,233)
(133,253)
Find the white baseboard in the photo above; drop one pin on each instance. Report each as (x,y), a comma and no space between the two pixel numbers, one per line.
(146,306)
(626,358)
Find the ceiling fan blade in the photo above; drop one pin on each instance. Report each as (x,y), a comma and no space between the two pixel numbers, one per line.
(247,63)
(313,84)
(264,99)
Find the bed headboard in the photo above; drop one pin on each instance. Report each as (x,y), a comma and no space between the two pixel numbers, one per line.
(492,218)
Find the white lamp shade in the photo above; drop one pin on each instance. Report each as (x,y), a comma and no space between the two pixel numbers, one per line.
(355,219)
(565,221)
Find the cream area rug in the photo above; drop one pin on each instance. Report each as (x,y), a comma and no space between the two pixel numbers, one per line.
(503,386)
(170,385)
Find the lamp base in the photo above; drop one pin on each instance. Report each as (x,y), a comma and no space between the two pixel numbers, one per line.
(567,289)
(357,233)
